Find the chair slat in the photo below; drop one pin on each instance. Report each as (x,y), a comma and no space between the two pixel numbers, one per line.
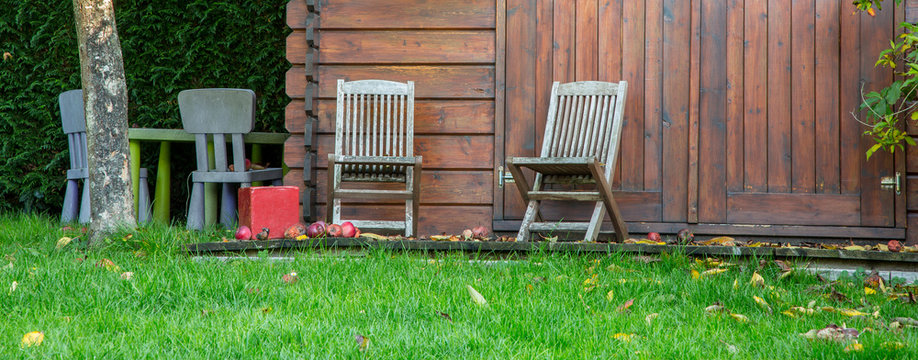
(238,152)
(200,147)
(219,152)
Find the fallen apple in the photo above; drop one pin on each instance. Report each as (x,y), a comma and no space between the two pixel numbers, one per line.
(348,229)
(685,236)
(334,230)
(480,231)
(243,233)
(894,245)
(294,231)
(316,229)
(654,236)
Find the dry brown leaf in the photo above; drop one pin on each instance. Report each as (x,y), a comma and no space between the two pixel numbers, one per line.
(757,280)
(108,265)
(624,307)
(445,316)
(832,332)
(362,342)
(783,265)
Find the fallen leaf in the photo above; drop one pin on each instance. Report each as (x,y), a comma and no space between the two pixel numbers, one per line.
(783,265)
(893,345)
(649,242)
(610,295)
(854,248)
(623,337)
(717,307)
(445,316)
(13,287)
(802,310)
(34,338)
(712,272)
(695,274)
(869,291)
(837,296)
(832,332)
(108,265)
(650,317)
(757,280)
(762,303)
(624,307)
(730,348)
(854,347)
(906,321)
(476,296)
(739,317)
(874,280)
(267,309)
(63,242)
(852,312)
(290,278)
(362,342)
(646,259)
(127,275)
(735,284)
(720,241)
(789,313)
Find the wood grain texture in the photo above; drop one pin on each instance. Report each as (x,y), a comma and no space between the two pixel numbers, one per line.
(755,97)
(794,209)
(444,187)
(694,97)
(634,206)
(735,94)
(297,14)
(446,81)
(653,96)
(438,151)
(296,82)
(408,14)
(779,97)
(712,192)
(519,120)
(609,42)
(297,47)
(430,116)
(404,47)
(586,37)
(827,94)
(803,77)
(911,233)
(849,100)
(632,148)
(675,110)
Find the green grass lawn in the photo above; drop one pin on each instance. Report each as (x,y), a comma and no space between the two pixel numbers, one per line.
(410,305)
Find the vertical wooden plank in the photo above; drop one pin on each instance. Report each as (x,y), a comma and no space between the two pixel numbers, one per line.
(543,72)
(755,96)
(563,35)
(712,194)
(585,42)
(849,99)
(632,143)
(735,98)
(877,205)
(500,85)
(827,93)
(610,51)
(653,95)
(520,91)
(803,82)
(694,98)
(900,157)
(779,96)
(676,33)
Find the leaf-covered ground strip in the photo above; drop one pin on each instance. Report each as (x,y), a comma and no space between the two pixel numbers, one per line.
(140,297)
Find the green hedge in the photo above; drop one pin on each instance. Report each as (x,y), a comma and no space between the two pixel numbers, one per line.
(168,46)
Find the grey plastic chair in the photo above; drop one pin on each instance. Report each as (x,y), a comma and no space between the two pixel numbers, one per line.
(211,114)
(73,120)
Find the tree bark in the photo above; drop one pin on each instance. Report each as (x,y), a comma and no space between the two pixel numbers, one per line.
(105,99)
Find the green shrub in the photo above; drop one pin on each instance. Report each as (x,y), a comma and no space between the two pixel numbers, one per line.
(168,46)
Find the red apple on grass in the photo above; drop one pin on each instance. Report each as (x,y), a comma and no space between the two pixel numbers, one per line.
(243,233)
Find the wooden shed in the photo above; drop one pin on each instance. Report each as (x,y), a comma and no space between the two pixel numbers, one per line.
(738,118)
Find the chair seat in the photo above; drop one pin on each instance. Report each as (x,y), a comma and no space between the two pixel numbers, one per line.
(557,165)
(237,176)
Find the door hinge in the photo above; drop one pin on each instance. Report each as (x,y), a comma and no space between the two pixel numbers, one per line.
(890,182)
(503,177)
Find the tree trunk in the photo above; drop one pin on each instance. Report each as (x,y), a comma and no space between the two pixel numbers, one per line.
(105,99)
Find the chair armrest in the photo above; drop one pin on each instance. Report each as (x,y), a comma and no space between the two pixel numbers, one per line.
(374,160)
(523,161)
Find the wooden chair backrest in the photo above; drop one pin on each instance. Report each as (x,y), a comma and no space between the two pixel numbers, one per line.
(374,118)
(73,121)
(585,119)
(210,114)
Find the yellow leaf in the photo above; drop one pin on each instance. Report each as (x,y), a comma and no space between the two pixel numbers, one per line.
(760,301)
(851,312)
(855,347)
(893,345)
(740,318)
(722,241)
(789,313)
(32,339)
(757,280)
(735,284)
(304,237)
(476,296)
(869,291)
(712,272)
(529,288)
(855,248)
(591,281)
(695,274)
(63,242)
(610,295)
(623,337)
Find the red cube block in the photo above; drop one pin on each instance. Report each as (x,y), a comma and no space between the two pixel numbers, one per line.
(274,207)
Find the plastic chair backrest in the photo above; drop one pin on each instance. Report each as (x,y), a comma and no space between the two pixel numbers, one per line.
(211,113)
(73,121)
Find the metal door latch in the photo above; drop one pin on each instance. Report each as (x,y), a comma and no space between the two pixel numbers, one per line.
(890,182)
(503,177)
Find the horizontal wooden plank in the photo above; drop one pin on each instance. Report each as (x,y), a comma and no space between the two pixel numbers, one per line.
(430,116)
(634,205)
(433,219)
(437,187)
(403,47)
(408,14)
(297,47)
(793,209)
(911,152)
(295,117)
(295,82)
(911,236)
(297,14)
(448,81)
(294,158)
(911,191)
(439,151)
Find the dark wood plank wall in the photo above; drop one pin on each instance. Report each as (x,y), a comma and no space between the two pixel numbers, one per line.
(447,47)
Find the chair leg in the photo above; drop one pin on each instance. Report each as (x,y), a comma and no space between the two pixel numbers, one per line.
(599,212)
(85,210)
(531,210)
(277,182)
(143,201)
(196,207)
(605,192)
(228,206)
(71,206)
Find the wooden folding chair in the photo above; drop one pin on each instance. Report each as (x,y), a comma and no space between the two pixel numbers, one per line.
(580,145)
(374,142)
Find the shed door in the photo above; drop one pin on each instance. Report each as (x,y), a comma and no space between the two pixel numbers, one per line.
(738,112)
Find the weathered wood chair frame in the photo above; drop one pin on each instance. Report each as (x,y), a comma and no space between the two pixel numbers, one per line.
(374,142)
(76,207)
(581,142)
(211,114)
